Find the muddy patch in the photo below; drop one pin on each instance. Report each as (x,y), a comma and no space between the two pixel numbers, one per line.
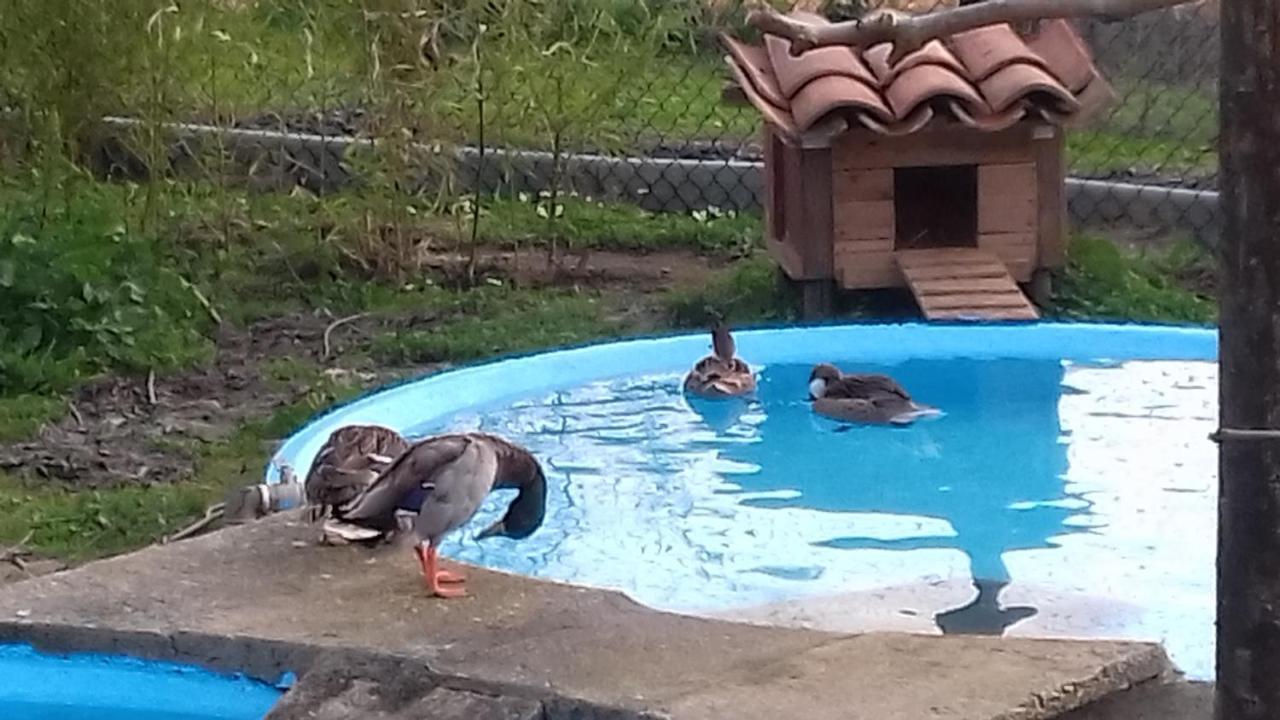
(144,430)
(597,269)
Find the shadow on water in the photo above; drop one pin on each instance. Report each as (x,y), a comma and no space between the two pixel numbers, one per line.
(992,467)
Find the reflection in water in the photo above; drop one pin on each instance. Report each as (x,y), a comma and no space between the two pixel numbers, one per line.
(990,467)
(698,505)
(984,614)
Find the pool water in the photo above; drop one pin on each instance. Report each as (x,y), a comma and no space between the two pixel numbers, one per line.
(40,686)
(1052,498)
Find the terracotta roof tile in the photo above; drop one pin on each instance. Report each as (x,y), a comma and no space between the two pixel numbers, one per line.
(987,50)
(1065,52)
(1021,82)
(988,78)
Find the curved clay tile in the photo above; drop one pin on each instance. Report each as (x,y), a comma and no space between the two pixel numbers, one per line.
(794,72)
(1064,53)
(912,123)
(933,52)
(1015,82)
(773,114)
(924,83)
(754,62)
(991,122)
(986,50)
(829,93)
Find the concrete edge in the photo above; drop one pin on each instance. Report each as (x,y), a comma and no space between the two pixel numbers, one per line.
(1149,662)
(268,661)
(282,159)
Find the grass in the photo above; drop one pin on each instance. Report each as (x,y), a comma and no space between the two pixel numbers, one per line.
(1104,282)
(616,226)
(21,416)
(495,320)
(750,291)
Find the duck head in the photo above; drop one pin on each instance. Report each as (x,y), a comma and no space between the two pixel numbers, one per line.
(525,513)
(821,375)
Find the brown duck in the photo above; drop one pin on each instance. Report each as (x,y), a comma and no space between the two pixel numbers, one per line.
(721,374)
(438,484)
(349,461)
(862,398)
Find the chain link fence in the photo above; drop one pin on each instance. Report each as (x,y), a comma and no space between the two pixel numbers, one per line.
(613,100)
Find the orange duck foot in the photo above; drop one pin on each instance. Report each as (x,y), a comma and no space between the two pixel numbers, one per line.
(434,577)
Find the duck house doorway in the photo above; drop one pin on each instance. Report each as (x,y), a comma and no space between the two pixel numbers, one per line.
(935,207)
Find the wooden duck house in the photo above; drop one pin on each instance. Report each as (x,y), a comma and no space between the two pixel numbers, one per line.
(942,173)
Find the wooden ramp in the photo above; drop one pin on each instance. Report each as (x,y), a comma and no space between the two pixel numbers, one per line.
(963,284)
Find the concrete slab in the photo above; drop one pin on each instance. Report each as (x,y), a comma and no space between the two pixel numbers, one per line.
(1153,700)
(264,596)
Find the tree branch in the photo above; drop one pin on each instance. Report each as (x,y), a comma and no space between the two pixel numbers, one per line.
(909,33)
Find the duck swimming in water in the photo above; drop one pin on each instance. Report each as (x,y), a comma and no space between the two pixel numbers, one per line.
(349,461)
(864,398)
(440,483)
(720,374)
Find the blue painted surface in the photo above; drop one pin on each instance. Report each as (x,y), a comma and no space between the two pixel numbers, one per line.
(83,686)
(1062,485)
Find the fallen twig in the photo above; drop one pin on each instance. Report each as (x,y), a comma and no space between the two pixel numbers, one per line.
(151,386)
(212,513)
(75,413)
(13,554)
(328,331)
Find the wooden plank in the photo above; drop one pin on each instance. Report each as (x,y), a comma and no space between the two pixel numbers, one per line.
(811,214)
(948,286)
(1052,205)
(869,278)
(867,270)
(943,272)
(944,257)
(866,149)
(1007,198)
(957,283)
(874,184)
(862,247)
(986,314)
(999,240)
(864,219)
(975,300)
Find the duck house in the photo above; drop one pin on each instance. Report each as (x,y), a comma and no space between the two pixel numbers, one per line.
(942,172)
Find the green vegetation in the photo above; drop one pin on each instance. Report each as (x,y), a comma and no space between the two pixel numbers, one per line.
(491,321)
(1104,282)
(750,291)
(615,226)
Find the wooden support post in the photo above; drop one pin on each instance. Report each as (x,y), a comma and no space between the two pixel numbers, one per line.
(1248,628)
(813,231)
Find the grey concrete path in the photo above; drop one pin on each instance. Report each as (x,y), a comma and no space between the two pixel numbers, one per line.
(266,597)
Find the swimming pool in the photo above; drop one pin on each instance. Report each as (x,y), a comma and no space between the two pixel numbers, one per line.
(1069,490)
(89,686)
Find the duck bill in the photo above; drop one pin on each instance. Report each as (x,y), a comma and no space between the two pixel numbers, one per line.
(493,530)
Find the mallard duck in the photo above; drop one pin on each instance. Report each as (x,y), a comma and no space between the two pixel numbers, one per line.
(440,483)
(720,374)
(865,398)
(349,461)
